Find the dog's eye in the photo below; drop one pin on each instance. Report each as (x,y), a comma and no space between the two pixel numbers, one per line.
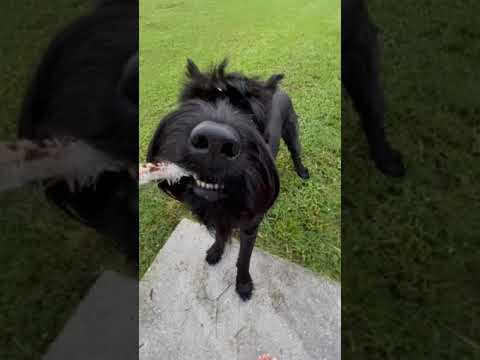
(219,89)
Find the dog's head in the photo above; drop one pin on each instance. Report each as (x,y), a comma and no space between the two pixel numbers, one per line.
(234,176)
(246,94)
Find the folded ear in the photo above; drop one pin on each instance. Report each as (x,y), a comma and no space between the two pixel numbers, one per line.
(274,80)
(192,69)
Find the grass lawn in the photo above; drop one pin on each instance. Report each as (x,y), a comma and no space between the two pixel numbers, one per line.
(411,247)
(300,38)
(48,260)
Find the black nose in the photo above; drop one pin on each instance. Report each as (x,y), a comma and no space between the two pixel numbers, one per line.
(219,140)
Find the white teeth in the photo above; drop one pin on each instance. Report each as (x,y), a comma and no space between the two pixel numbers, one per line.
(207,185)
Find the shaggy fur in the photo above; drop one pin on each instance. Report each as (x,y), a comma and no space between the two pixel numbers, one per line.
(86,88)
(251,116)
(360,77)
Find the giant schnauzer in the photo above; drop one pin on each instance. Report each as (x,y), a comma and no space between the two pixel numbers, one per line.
(360,77)
(86,88)
(226,132)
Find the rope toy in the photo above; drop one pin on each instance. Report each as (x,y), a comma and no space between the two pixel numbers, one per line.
(74,161)
(163,171)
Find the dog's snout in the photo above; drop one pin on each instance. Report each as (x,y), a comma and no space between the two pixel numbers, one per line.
(215,139)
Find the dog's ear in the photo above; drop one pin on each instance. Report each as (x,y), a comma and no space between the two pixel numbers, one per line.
(192,69)
(222,66)
(273,81)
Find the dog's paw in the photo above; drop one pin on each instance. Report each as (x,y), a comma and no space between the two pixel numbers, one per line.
(390,163)
(303,173)
(244,290)
(214,255)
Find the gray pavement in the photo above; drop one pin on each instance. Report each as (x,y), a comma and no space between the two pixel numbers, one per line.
(103,325)
(190,310)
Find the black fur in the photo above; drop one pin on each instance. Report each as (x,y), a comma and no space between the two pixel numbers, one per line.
(86,87)
(258,114)
(249,95)
(361,79)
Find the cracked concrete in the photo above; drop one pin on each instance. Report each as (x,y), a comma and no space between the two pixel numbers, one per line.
(190,310)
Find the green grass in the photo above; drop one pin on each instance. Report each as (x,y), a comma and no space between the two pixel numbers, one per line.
(410,247)
(300,38)
(48,260)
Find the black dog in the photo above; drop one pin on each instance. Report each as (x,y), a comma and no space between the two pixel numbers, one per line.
(226,131)
(360,76)
(86,88)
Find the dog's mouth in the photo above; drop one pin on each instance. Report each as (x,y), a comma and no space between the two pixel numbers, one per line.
(208,190)
(183,181)
(205,185)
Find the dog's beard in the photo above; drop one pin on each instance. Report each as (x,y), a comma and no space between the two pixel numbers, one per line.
(234,200)
(192,186)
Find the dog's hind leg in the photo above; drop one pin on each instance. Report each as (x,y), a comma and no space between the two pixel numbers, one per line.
(283,123)
(215,252)
(273,130)
(244,283)
(360,76)
(291,137)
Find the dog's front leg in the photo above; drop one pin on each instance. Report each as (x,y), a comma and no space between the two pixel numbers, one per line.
(215,252)
(244,284)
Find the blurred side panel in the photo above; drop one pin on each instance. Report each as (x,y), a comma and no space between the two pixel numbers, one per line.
(410,245)
(69,238)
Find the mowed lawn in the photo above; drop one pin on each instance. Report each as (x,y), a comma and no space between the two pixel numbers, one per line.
(411,247)
(296,37)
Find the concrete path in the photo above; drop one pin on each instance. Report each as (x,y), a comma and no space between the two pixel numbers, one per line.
(105,324)
(190,310)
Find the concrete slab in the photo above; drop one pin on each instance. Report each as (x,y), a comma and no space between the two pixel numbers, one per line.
(190,310)
(105,325)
